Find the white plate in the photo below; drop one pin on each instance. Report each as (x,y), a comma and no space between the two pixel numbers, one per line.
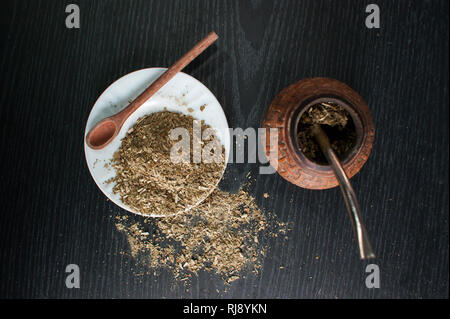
(182,94)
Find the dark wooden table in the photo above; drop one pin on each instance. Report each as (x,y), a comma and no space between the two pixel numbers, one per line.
(52,213)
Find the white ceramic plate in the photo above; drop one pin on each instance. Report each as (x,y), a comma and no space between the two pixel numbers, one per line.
(183,94)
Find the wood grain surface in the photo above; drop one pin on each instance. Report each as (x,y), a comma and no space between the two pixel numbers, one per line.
(53,214)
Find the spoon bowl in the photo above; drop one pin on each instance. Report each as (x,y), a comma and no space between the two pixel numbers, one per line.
(102,133)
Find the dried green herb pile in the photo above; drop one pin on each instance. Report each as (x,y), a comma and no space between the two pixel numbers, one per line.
(222,235)
(146,177)
(337,124)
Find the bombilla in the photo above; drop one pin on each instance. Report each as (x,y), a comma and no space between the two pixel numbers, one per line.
(362,237)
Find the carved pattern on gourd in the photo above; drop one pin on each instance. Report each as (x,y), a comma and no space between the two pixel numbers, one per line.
(280,114)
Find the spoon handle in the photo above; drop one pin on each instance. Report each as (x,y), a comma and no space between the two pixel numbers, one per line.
(168,75)
(362,236)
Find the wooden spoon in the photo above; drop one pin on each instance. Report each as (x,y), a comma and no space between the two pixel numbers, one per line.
(107,129)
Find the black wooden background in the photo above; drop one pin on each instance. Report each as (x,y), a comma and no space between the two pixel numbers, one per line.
(52,213)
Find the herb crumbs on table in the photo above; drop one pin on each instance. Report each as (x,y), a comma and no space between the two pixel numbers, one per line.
(224,235)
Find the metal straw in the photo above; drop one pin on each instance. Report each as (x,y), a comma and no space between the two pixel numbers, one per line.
(365,248)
